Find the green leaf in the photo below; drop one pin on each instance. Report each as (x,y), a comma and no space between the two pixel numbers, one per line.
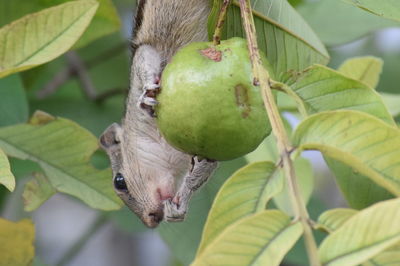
(392,102)
(37,191)
(267,150)
(389,9)
(260,239)
(287,40)
(333,219)
(62,149)
(366,69)
(359,191)
(286,103)
(347,23)
(367,144)
(365,235)
(40,37)
(246,192)
(13,101)
(68,101)
(189,232)
(296,2)
(6,177)
(305,176)
(104,22)
(16,242)
(320,89)
(389,257)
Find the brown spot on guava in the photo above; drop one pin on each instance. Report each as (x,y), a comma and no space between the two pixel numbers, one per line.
(212,53)
(242,99)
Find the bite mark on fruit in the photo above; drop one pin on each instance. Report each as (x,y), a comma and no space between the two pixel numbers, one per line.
(212,53)
(242,99)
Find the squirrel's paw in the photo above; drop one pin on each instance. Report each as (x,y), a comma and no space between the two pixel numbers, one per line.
(173,212)
(147,100)
(202,168)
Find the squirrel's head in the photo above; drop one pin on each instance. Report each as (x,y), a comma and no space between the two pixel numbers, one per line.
(138,178)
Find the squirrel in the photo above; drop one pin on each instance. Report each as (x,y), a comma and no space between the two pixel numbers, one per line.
(155,180)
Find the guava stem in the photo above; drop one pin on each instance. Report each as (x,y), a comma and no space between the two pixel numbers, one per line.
(261,78)
(220,22)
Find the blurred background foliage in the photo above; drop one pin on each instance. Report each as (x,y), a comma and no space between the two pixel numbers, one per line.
(68,232)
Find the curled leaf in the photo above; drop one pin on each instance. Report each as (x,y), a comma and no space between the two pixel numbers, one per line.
(368,145)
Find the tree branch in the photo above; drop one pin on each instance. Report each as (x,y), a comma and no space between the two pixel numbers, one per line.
(76,67)
(262,79)
(81,72)
(220,22)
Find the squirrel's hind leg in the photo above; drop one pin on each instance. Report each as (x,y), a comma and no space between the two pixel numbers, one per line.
(147,71)
(175,209)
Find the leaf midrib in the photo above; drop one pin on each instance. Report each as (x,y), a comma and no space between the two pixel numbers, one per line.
(365,72)
(266,181)
(283,28)
(263,190)
(51,40)
(287,226)
(326,148)
(361,248)
(39,160)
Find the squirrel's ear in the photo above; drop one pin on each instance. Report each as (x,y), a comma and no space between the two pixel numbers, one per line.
(111,136)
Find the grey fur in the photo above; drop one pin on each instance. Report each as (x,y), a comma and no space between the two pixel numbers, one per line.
(153,170)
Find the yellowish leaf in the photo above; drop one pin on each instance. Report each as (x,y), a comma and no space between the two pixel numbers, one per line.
(363,236)
(36,191)
(332,219)
(366,69)
(16,242)
(368,145)
(260,239)
(6,177)
(246,192)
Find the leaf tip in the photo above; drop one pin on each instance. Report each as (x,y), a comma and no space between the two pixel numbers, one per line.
(41,118)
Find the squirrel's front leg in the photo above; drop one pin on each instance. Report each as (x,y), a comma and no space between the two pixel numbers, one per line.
(147,70)
(175,209)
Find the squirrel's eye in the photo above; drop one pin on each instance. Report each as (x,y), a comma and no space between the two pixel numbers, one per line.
(119,182)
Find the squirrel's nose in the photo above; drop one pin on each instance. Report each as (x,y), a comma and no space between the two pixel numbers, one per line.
(157,216)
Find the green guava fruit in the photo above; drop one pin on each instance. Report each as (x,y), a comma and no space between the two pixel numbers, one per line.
(208,105)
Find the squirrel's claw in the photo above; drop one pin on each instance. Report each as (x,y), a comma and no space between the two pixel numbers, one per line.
(144,99)
(173,212)
(151,87)
(147,100)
